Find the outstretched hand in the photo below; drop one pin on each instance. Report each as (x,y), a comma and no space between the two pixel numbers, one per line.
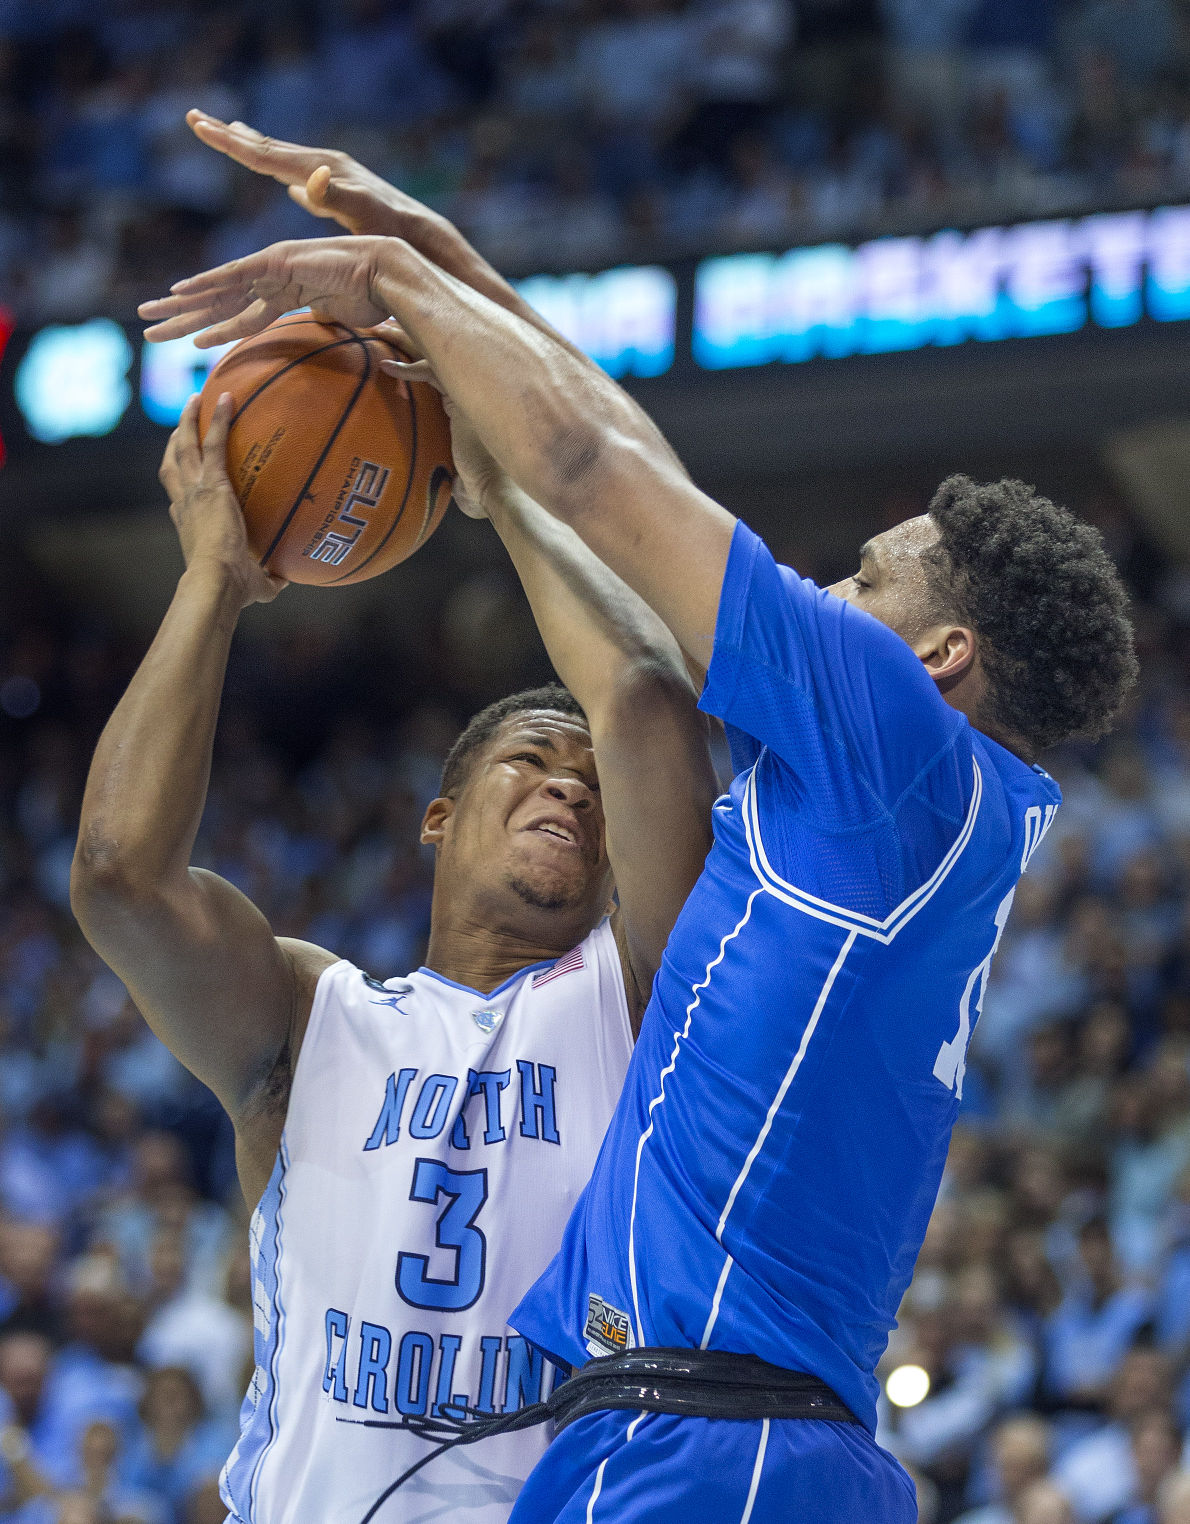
(335,276)
(324,181)
(203,505)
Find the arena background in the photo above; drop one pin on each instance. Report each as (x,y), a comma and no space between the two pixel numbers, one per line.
(839,248)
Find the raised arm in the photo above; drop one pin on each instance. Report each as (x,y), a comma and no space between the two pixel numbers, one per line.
(199,959)
(561,428)
(329,183)
(624,667)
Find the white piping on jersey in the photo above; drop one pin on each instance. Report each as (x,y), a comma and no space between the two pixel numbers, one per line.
(866,925)
(275,1354)
(756,1470)
(603,1467)
(679,1037)
(762,1135)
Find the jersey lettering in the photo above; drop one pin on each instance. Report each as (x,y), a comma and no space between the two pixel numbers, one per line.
(435,1094)
(1036,825)
(466,1191)
(398,1374)
(951,1064)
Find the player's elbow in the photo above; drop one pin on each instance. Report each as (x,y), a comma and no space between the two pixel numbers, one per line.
(648,691)
(569,465)
(589,462)
(103,876)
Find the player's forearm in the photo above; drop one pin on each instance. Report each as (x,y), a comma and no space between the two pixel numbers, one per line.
(439,241)
(568,436)
(550,416)
(598,633)
(148,781)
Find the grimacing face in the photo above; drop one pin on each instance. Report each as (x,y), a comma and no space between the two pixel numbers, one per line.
(891,583)
(528,823)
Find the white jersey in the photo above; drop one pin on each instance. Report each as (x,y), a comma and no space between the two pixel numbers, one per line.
(435,1142)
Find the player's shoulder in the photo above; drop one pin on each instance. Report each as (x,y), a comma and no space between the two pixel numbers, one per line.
(1019,798)
(853,649)
(344,987)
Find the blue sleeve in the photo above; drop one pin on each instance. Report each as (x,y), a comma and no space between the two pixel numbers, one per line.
(835,694)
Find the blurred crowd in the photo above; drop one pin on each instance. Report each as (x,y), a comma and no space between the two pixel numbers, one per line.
(1050,1311)
(572,132)
(1050,1307)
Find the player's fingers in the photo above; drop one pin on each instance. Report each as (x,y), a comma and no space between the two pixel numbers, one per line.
(412,370)
(221,309)
(160,307)
(318,184)
(179,327)
(392,333)
(172,316)
(330,195)
(288,162)
(214,445)
(236,272)
(167,471)
(298,193)
(252,320)
(186,448)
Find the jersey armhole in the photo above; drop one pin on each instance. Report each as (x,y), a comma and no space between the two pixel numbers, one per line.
(318,1006)
(608,954)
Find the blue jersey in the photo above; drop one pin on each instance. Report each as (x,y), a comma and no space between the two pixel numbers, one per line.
(771,1166)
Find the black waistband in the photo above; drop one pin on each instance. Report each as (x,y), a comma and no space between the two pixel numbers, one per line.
(695,1383)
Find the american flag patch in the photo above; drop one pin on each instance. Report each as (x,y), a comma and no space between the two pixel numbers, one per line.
(565,965)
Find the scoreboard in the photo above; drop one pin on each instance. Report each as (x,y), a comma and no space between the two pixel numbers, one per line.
(664,324)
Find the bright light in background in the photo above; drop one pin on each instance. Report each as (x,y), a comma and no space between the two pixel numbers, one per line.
(74,380)
(172,372)
(907,1386)
(624,318)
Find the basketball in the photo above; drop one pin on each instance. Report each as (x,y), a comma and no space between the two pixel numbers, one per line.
(342,471)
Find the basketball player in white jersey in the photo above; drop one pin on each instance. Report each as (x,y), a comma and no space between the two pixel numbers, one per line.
(415,1144)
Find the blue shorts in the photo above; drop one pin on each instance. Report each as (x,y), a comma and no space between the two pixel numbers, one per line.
(614,1468)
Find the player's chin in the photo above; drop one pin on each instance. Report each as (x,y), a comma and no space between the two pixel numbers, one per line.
(549,889)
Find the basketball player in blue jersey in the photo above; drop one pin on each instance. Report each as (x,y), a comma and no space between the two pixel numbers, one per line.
(415,1144)
(727,1283)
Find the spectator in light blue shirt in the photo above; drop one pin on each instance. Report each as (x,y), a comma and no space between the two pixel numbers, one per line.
(1156,1449)
(1089,1333)
(1099,1473)
(1021,1457)
(178,1448)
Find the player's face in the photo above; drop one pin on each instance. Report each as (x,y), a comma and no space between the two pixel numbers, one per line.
(891,582)
(530,819)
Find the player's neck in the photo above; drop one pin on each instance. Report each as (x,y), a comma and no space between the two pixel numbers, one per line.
(969,696)
(483,957)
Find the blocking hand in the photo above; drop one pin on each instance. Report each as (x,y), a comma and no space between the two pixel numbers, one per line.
(323,181)
(332,275)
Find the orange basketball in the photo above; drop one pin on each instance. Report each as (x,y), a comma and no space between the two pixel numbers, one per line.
(342,471)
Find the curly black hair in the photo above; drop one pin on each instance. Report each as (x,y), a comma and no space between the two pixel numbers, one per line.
(1047,604)
(552,697)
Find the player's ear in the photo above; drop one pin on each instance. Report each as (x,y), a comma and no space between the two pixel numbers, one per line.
(947,652)
(436,820)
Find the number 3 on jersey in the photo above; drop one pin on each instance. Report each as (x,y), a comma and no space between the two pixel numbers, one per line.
(465,1192)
